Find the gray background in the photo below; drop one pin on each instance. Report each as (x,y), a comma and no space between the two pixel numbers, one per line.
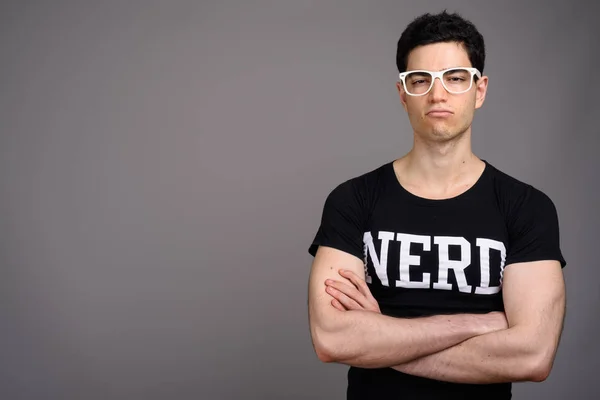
(163,167)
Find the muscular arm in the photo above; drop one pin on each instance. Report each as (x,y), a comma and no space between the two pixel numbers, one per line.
(371,340)
(534,298)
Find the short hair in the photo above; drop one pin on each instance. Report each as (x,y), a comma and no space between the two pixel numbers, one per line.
(442,27)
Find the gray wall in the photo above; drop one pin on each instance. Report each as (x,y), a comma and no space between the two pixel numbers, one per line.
(163,167)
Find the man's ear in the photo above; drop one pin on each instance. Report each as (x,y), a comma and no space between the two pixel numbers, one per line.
(402,94)
(481,91)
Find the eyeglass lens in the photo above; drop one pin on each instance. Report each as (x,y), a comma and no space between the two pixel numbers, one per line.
(455,80)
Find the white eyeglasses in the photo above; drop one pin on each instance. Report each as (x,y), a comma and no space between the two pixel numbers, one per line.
(454,80)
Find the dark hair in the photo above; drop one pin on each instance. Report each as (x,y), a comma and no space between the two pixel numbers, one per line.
(442,27)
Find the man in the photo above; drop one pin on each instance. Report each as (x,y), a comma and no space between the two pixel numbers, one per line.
(437,275)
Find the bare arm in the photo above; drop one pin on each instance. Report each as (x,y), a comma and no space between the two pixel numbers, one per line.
(371,340)
(534,298)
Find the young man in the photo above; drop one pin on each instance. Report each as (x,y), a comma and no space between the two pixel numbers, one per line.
(437,275)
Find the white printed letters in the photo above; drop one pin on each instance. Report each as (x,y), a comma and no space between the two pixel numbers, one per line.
(409,261)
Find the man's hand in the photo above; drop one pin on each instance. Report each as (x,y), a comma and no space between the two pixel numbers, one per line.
(358,297)
(367,338)
(351,297)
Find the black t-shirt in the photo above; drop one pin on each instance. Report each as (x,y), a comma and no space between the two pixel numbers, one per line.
(426,257)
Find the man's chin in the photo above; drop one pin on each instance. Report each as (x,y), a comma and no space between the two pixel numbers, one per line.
(442,135)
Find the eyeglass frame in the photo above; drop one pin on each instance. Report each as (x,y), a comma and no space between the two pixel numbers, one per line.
(439,74)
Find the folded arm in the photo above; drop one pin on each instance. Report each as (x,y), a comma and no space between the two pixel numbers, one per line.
(372,340)
(534,299)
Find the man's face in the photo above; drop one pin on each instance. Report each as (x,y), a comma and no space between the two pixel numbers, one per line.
(441,127)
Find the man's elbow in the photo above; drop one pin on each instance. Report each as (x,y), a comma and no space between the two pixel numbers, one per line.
(326,346)
(539,368)
(324,354)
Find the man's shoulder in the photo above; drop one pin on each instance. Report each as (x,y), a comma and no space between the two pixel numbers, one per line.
(361,192)
(366,181)
(515,192)
(505,180)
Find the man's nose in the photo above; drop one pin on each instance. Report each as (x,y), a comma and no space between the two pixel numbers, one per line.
(438,92)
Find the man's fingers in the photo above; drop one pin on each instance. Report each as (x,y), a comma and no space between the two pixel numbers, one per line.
(366,297)
(360,284)
(350,297)
(347,302)
(338,305)
(348,290)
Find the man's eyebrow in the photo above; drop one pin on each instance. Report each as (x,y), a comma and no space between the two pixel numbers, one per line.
(443,69)
(425,69)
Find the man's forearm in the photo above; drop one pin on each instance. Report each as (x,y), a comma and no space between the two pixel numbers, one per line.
(371,340)
(501,356)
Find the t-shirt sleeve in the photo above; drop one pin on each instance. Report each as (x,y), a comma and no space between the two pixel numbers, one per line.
(342,222)
(534,230)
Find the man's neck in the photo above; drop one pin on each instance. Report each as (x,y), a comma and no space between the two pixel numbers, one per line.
(439,168)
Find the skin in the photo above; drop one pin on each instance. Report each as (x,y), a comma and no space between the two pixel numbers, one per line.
(441,165)
(534,298)
(370,340)
(442,130)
